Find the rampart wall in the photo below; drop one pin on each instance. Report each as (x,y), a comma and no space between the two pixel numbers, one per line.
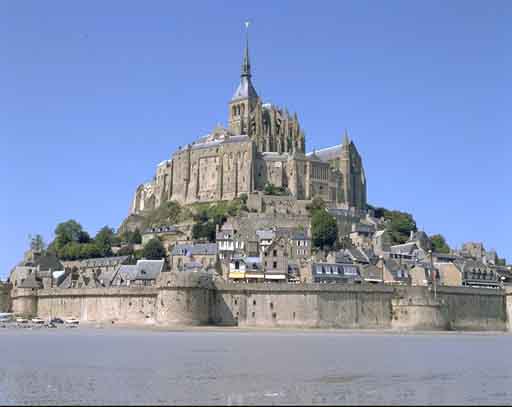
(5,297)
(194,299)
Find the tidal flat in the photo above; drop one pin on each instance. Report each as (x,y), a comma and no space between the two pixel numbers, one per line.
(116,365)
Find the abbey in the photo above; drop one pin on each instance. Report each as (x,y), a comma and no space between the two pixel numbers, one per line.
(262,145)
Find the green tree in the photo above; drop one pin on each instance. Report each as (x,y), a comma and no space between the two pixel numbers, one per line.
(125,250)
(37,243)
(104,239)
(89,251)
(70,251)
(243,197)
(324,230)
(316,203)
(154,250)
(69,231)
(204,230)
(439,244)
(399,224)
(136,237)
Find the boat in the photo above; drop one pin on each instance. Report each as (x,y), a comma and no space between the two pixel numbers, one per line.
(21,320)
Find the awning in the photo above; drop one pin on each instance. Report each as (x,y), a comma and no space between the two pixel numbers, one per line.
(248,275)
(236,275)
(275,277)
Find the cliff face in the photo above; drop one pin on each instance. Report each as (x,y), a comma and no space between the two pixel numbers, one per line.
(133,222)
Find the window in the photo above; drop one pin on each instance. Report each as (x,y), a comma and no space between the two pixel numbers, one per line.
(275,253)
(274,264)
(237,265)
(254,303)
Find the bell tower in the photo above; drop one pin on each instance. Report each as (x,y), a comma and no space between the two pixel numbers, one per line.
(245,99)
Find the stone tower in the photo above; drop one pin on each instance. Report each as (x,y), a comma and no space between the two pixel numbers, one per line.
(245,100)
(354,180)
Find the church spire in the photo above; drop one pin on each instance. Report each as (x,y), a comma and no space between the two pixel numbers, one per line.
(245,90)
(346,140)
(246,65)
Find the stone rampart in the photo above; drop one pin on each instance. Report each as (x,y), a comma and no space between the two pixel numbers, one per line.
(195,299)
(5,297)
(474,309)
(302,305)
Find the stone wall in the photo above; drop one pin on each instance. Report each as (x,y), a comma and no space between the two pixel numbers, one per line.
(473,308)
(194,299)
(302,305)
(5,297)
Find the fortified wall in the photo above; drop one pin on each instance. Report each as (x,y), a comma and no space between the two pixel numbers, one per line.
(196,299)
(5,297)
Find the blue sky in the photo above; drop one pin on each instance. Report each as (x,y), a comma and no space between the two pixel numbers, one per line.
(94,94)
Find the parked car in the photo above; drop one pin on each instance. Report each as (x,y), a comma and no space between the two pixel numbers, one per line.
(56,321)
(72,321)
(37,320)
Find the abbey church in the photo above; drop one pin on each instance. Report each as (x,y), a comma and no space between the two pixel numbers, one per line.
(263,144)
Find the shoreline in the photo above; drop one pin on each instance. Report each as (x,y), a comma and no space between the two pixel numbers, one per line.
(237,329)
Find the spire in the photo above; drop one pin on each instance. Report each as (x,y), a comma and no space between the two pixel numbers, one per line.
(346,140)
(245,90)
(246,65)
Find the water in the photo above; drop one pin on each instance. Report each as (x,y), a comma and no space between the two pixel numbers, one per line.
(128,366)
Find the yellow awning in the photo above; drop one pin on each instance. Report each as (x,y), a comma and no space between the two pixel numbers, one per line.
(236,275)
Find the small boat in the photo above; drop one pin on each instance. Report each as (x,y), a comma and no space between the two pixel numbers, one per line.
(21,320)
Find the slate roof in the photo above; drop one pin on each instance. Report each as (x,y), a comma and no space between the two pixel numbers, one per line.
(357,254)
(326,154)
(406,248)
(335,270)
(148,269)
(265,234)
(370,272)
(244,90)
(184,249)
(103,261)
(127,272)
(30,282)
(47,262)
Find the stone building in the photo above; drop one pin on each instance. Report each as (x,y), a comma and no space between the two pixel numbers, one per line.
(263,144)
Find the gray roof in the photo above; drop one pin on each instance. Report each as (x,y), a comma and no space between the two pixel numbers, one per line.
(244,90)
(357,254)
(127,272)
(265,234)
(299,235)
(148,269)
(31,282)
(104,261)
(406,248)
(108,276)
(194,249)
(47,262)
(326,154)
(371,272)
(335,270)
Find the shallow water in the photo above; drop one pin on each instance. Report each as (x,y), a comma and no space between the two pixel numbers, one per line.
(128,366)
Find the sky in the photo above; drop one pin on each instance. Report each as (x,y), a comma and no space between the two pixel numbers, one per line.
(93,95)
